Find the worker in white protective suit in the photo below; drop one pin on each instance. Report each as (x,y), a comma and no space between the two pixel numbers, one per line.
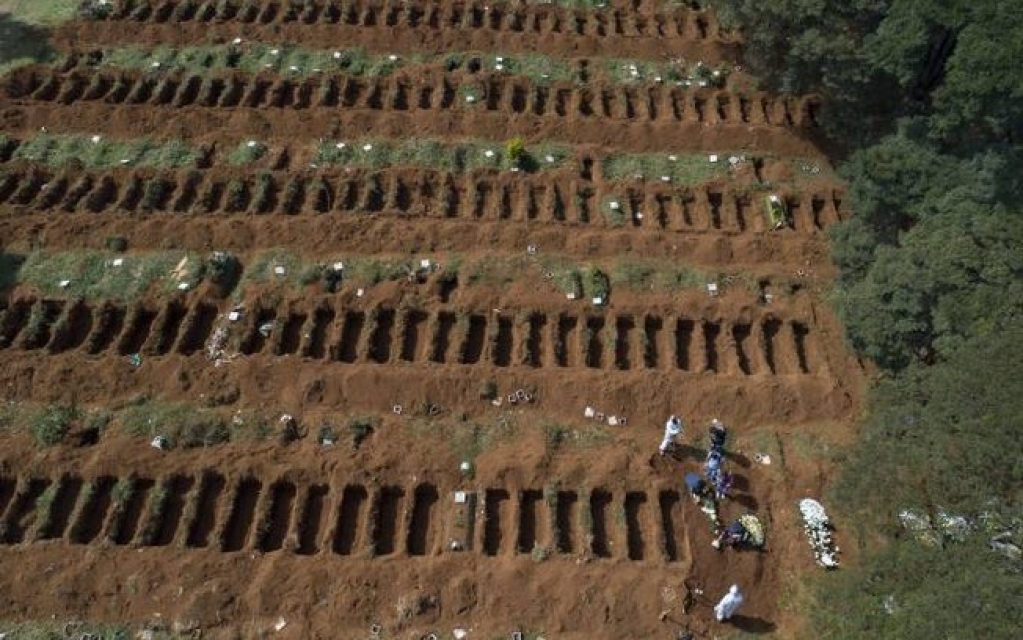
(672,429)
(726,608)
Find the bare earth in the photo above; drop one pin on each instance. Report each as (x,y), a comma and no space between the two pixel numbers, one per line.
(574,532)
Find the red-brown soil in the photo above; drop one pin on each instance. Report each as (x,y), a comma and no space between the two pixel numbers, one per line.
(417,27)
(572,529)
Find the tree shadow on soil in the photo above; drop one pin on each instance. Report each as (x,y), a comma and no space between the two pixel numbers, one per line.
(750,624)
(20,41)
(10,265)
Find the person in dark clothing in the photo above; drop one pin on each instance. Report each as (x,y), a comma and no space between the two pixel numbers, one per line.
(723,485)
(732,535)
(697,487)
(718,435)
(712,468)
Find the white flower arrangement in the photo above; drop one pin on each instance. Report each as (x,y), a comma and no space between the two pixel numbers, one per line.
(818,532)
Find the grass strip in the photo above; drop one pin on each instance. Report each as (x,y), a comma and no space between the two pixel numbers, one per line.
(442,156)
(102,153)
(99,275)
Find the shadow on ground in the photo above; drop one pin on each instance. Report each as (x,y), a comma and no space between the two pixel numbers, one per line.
(21,42)
(10,265)
(752,625)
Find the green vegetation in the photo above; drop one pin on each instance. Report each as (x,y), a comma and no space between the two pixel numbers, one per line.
(254,58)
(289,60)
(95,152)
(25,30)
(52,630)
(647,275)
(923,98)
(44,12)
(679,169)
(362,427)
(441,156)
(287,269)
(52,423)
(635,71)
(613,210)
(183,425)
(514,151)
(102,275)
(597,284)
(246,153)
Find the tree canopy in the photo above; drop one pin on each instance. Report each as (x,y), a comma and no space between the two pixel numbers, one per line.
(923,101)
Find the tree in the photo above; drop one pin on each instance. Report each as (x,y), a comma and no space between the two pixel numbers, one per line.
(957,274)
(979,100)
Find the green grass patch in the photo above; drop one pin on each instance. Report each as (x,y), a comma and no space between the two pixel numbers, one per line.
(679,169)
(494,270)
(52,423)
(184,425)
(635,71)
(541,69)
(256,58)
(289,270)
(102,153)
(648,275)
(247,152)
(613,210)
(44,12)
(110,276)
(565,275)
(289,60)
(273,266)
(698,76)
(434,154)
(371,271)
(597,284)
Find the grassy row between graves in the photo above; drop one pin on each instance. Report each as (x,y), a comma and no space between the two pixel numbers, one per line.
(285,59)
(121,275)
(98,152)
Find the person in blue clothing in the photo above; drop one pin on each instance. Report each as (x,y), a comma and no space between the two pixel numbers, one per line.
(697,487)
(712,467)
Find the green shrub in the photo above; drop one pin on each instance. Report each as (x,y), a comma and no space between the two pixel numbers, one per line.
(361,428)
(598,285)
(237,194)
(515,151)
(224,269)
(155,191)
(247,153)
(262,200)
(52,424)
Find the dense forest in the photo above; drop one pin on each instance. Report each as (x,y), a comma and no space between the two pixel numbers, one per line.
(924,113)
